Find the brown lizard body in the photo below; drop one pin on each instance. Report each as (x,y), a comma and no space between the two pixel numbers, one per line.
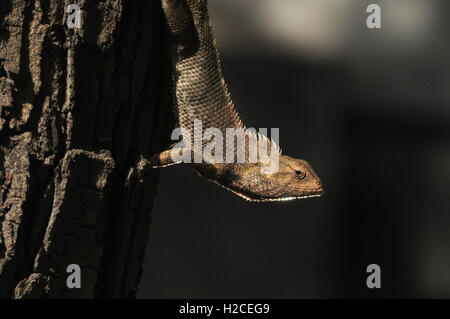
(201,94)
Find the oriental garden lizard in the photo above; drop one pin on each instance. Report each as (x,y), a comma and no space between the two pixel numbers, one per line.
(202,95)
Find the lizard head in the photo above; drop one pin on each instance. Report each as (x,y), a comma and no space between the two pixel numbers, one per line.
(294,179)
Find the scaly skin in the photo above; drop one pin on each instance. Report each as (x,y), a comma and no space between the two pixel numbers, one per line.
(201,93)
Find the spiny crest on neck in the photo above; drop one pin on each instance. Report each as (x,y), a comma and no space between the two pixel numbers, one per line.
(259,138)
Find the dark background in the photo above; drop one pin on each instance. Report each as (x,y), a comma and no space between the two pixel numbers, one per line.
(370,109)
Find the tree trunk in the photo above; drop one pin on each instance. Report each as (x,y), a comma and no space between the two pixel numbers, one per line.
(78,107)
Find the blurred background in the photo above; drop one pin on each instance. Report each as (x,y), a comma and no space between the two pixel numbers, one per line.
(370,109)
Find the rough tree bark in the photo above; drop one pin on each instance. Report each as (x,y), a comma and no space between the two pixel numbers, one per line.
(77,109)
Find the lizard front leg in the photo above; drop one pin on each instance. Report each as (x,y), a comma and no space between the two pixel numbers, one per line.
(159,160)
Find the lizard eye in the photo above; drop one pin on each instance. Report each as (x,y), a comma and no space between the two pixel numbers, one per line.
(299,174)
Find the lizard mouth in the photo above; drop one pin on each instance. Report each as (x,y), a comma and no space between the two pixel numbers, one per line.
(309,193)
(283,199)
(306,194)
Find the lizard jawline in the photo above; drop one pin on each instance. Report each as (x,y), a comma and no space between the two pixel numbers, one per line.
(281,199)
